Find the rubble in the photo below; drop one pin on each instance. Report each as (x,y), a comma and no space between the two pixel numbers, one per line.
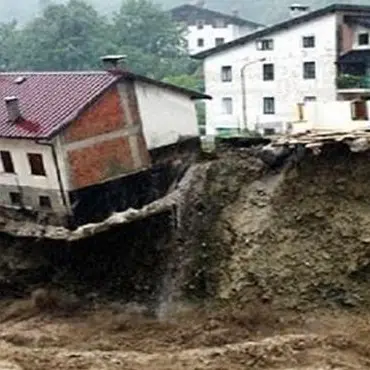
(26,229)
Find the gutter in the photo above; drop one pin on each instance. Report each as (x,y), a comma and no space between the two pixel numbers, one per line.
(55,158)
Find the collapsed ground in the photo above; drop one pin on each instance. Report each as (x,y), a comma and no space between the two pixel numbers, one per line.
(274,262)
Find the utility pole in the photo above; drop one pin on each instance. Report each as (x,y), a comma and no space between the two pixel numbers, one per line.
(243,88)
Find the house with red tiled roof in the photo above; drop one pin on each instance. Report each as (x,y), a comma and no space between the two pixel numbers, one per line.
(63,134)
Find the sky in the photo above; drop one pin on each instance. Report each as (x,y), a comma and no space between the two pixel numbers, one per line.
(264,11)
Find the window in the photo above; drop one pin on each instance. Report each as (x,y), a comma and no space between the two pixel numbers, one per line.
(309,98)
(363,39)
(268,72)
(45,202)
(309,41)
(227,105)
(200,24)
(359,110)
(269,105)
(309,70)
(219,41)
(200,42)
(15,198)
(269,131)
(266,44)
(36,164)
(7,162)
(226,74)
(219,23)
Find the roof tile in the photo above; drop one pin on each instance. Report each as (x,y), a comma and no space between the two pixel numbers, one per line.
(48,100)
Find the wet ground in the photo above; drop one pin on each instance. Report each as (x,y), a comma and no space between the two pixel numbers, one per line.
(255,338)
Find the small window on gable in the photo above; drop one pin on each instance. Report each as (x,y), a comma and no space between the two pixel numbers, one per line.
(45,202)
(309,41)
(265,44)
(219,41)
(36,164)
(15,198)
(363,39)
(6,159)
(200,42)
(226,74)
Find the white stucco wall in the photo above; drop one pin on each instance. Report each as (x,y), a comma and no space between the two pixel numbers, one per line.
(23,176)
(23,181)
(288,86)
(166,115)
(357,30)
(209,34)
(335,115)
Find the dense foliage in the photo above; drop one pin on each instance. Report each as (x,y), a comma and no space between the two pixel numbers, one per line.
(74,35)
(264,11)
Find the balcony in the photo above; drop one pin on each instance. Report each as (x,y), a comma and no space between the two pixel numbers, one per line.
(346,82)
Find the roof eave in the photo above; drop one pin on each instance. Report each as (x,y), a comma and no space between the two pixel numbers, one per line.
(280,26)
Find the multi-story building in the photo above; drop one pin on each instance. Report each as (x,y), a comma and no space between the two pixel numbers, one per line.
(259,81)
(207,28)
(71,142)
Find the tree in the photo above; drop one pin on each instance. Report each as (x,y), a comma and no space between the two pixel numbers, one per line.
(154,44)
(64,37)
(9,46)
(192,82)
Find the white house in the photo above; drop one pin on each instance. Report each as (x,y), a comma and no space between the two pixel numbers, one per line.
(66,138)
(207,28)
(338,116)
(257,81)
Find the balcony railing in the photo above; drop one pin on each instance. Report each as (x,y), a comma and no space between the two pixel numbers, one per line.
(347,81)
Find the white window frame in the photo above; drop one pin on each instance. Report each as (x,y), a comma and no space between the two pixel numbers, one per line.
(306,76)
(265,44)
(269,110)
(226,73)
(227,105)
(305,42)
(363,34)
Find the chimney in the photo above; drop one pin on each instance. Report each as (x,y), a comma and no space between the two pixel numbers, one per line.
(297,10)
(12,107)
(113,62)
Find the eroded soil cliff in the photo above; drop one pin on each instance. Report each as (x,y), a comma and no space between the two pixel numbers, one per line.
(260,268)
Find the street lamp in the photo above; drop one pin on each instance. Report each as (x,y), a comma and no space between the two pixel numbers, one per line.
(242,75)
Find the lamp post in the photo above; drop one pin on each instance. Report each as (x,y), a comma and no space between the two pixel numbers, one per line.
(242,77)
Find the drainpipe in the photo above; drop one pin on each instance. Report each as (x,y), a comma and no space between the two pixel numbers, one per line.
(59,176)
(243,88)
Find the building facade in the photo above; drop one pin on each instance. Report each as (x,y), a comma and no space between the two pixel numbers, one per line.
(259,81)
(206,28)
(63,133)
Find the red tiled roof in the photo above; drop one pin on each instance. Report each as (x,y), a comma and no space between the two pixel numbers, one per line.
(48,100)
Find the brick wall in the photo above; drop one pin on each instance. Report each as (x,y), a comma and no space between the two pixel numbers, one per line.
(97,144)
(105,115)
(101,161)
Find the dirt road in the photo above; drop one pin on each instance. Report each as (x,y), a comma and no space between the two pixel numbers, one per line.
(109,339)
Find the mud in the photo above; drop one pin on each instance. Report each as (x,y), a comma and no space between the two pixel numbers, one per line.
(273,264)
(192,339)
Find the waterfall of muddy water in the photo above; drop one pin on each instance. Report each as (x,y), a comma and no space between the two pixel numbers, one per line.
(190,186)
